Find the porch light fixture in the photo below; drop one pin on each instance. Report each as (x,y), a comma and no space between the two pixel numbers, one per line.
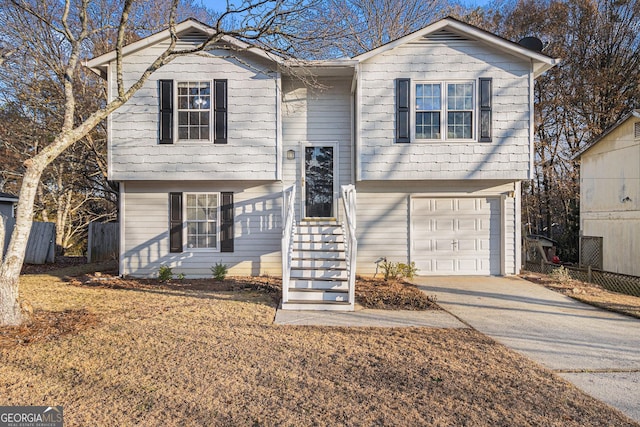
(291,155)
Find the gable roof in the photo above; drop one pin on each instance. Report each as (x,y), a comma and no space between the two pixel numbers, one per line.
(6,197)
(634,113)
(540,61)
(189,27)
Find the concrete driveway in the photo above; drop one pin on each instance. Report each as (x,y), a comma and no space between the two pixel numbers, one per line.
(596,350)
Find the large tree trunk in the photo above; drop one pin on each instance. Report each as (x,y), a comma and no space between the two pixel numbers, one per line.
(10,311)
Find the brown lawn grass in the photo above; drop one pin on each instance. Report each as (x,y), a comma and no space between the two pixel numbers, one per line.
(590,293)
(179,356)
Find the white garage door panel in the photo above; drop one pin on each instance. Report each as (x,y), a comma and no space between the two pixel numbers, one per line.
(456,235)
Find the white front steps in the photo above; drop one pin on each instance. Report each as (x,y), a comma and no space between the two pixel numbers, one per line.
(318,279)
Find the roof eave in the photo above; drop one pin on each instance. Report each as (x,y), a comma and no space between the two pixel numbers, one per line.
(589,146)
(100,63)
(541,61)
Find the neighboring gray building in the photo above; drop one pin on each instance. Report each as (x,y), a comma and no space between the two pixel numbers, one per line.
(7,213)
(434,130)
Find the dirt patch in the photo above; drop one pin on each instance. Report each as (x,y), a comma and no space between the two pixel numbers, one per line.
(589,293)
(61,262)
(45,325)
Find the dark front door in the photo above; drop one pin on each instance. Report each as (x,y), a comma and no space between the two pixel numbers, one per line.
(319,176)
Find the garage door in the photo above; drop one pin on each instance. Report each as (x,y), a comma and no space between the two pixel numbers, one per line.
(456,235)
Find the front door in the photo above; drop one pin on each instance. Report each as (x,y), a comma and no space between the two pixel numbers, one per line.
(318,182)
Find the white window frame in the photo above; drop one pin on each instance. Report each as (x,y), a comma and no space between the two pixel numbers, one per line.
(185,221)
(176,116)
(444,110)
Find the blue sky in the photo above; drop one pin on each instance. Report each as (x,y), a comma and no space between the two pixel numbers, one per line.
(220,5)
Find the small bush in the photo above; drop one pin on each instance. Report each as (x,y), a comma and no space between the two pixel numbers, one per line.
(219,271)
(165,273)
(398,270)
(561,275)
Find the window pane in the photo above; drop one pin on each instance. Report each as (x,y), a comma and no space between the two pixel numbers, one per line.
(427,97)
(183,102)
(460,96)
(194,103)
(192,228)
(459,125)
(183,132)
(191,241)
(428,125)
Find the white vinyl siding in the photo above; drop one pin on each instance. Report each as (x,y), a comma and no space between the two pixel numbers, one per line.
(252,121)
(505,157)
(257,229)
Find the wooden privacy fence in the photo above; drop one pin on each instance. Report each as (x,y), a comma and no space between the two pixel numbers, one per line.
(103,241)
(615,282)
(41,246)
(8,229)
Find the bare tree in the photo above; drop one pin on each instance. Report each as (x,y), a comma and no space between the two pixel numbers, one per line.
(597,82)
(56,35)
(351,27)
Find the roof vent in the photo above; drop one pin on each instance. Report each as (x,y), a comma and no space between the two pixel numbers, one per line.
(532,43)
(636,130)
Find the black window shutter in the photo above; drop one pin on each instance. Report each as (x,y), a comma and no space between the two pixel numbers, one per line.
(175,222)
(166,111)
(485,110)
(403,110)
(226,223)
(220,111)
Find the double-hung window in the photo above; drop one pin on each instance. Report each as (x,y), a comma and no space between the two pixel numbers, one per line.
(197,113)
(428,106)
(460,110)
(202,211)
(445,106)
(194,110)
(204,221)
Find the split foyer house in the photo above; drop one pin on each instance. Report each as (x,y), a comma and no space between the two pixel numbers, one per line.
(413,151)
(610,195)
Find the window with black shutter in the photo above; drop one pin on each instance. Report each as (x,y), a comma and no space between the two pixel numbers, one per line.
(196,114)
(403,110)
(166,112)
(226,223)
(485,110)
(220,112)
(175,222)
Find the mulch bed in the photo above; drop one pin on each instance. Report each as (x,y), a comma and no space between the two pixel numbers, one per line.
(50,325)
(392,295)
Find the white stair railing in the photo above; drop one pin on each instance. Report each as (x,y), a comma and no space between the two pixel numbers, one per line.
(288,231)
(351,243)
